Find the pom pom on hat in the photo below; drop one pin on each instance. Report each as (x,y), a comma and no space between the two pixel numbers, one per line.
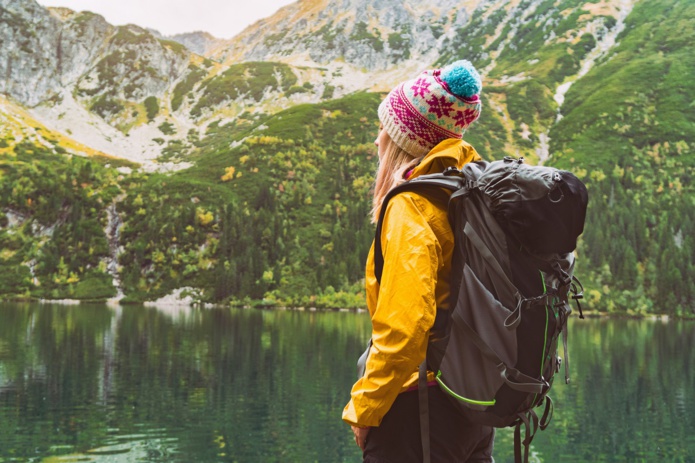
(462,78)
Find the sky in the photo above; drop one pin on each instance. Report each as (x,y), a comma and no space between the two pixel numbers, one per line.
(222,18)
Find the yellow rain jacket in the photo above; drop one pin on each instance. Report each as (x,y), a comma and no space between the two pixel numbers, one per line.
(417,243)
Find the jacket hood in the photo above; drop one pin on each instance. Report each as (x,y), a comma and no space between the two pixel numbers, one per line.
(449,153)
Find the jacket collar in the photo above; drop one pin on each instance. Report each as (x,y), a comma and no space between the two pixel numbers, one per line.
(451,152)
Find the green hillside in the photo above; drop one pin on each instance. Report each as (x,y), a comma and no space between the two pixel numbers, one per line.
(52,220)
(282,216)
(629,130)
(250,80)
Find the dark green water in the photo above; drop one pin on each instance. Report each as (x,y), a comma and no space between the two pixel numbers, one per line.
(101,384)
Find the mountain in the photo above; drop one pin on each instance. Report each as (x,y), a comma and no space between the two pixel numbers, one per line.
(268,137)
(369,35)
(198,42)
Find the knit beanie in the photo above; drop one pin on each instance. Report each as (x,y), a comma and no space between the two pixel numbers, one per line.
(438,104)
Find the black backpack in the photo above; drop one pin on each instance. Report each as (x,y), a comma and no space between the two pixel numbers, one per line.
(495,351)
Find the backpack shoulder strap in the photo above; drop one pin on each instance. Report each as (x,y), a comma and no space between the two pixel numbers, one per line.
(425,183)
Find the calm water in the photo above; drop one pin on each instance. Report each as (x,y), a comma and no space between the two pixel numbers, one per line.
(98,384)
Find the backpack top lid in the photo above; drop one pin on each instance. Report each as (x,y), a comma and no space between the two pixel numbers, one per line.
(543,208)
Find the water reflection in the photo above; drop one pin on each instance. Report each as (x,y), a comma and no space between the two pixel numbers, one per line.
(194,385)
(97,383)
(631,397)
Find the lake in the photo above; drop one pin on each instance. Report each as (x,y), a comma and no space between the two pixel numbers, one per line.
(94,383)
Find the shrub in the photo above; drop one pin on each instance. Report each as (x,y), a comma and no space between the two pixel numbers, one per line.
(152,107)
(167,128)
(105,107)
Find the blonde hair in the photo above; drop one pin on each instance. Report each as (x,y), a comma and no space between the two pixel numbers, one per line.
(393,166)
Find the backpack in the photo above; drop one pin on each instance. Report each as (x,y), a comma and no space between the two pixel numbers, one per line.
(495,351)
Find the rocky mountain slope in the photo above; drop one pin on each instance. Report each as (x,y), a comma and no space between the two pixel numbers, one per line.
(372,36)
(199,42)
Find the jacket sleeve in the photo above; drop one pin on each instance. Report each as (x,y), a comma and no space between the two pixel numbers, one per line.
(405,310)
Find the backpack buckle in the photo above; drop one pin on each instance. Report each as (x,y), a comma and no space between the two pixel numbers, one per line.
(519,160)
(577,291)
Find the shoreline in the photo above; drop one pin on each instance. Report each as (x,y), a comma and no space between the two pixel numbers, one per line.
(188,302)
(167,302)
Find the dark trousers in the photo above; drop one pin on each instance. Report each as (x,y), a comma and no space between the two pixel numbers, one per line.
(453,439)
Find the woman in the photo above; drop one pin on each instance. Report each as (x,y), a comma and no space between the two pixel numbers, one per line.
(422,124)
